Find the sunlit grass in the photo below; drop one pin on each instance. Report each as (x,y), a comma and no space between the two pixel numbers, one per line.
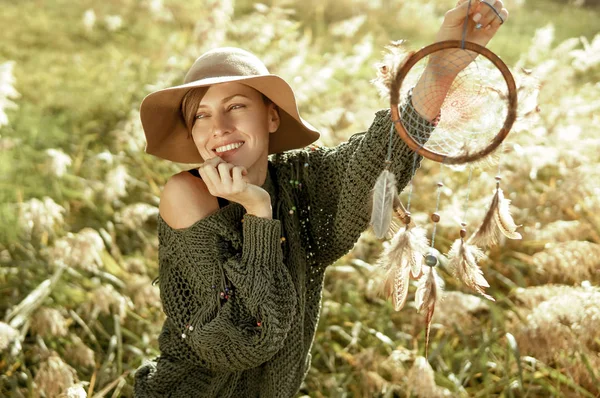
(78,198)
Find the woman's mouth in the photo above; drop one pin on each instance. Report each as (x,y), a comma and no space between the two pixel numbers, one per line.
(228,149)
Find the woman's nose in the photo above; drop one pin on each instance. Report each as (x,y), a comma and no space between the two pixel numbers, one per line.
(222,125)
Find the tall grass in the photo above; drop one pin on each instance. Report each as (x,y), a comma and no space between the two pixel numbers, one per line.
(78,198)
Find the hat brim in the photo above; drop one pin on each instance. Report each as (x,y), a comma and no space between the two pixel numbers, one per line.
(167,136)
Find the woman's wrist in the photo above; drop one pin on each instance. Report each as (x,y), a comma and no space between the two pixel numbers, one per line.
(262,211)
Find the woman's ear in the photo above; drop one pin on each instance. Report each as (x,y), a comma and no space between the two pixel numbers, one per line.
(274,118)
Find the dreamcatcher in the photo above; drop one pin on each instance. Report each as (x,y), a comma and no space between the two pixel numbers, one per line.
(477,98)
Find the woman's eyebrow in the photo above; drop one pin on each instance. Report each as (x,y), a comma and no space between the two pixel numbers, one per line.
(224,100)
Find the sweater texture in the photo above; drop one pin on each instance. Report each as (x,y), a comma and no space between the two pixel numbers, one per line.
(242,294)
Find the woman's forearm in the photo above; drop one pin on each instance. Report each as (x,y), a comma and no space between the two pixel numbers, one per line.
(430,92)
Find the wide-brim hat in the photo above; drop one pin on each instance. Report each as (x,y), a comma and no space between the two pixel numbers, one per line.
(166,133)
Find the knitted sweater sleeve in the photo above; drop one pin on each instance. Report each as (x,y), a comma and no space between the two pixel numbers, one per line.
(224,334)
(340,182)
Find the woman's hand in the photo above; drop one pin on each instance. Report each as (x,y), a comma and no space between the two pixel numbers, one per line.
(480,14)
(483,21)
(228,181)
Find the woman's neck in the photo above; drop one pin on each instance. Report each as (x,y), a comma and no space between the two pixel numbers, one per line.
(257,173)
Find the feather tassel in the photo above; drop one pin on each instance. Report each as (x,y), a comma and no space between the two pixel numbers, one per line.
(384,193)
(462,259)
(386,69)
(401,260)
(396,285)
(504,219)
(400,220)
(497,220)
(429,290)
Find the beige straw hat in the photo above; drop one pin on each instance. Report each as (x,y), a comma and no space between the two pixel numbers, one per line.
(166,133)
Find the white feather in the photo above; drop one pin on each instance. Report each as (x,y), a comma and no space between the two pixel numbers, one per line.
(384,193)
(462,260)
(401,259)
(504,219)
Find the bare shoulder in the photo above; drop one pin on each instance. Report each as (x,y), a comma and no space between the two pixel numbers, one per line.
(185,199)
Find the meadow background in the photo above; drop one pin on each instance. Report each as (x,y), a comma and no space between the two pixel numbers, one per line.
(78,197)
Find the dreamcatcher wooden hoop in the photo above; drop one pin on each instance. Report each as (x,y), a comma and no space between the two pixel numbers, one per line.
(511,100)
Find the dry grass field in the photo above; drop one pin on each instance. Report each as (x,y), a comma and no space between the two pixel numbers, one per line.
(79,198)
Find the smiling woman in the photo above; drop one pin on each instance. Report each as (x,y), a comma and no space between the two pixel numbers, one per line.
(243,249)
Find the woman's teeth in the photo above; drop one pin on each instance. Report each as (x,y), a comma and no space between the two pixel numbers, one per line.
(229,147)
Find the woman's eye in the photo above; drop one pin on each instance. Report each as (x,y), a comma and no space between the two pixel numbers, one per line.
(236,106)
(201,116)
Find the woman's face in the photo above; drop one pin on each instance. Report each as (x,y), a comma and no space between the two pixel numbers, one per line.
(234,122)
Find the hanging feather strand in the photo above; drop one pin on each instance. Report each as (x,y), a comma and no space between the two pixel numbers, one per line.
(429,290)
(400,220)
(395,285)
(384,193)
(504,219)
(462,260)
(401,260)
(497,220)
(387,70)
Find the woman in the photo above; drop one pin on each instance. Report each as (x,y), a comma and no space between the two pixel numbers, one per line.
(245,239)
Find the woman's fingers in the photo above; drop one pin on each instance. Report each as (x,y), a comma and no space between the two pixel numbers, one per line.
(222,178)
(490,12)
(481,12)
(209,173)
(239,181)
(456,15)
(225,173)
(211,178)
(497,21)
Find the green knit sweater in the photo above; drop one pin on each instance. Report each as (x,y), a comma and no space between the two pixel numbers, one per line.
(242,294)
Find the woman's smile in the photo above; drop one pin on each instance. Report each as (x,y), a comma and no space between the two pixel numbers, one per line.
(228,147)
(227,150)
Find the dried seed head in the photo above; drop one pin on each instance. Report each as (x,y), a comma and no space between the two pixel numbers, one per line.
(7,335)
(116,183)
(58,162)
(79,354)
(568,262)
(38,217)
(421,380)
(460,308)
(7,90)
(394,364)
(108,300)
(562,231)
(82,250)
(560,324)
(144,295)
(135,216)
(54,377)
(135,265)
(75,391)
(48,322)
